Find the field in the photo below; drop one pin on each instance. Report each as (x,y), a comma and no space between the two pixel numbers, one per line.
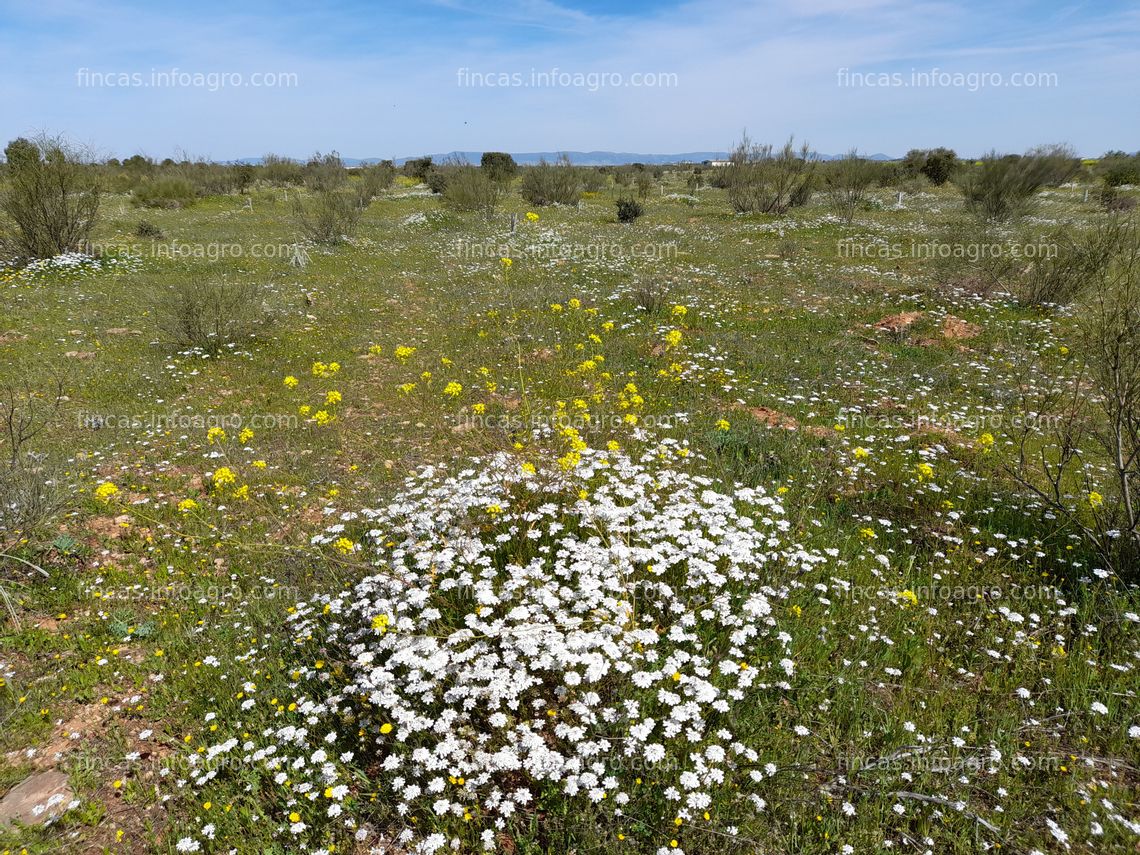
(694,534)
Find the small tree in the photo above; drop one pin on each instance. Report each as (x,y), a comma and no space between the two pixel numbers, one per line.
(847,182)
(52,198)
(937,165)
(499,166)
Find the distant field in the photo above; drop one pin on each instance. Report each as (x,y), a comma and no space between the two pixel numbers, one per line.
(866,638)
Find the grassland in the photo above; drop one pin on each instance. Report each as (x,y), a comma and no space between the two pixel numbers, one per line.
(959,677)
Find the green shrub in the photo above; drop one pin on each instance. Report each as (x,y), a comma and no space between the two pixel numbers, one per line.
(499,166)
(328,217)
(165,192)
(147,229)
(1117,169)
(847,181)
(373,180)
(937,165)
(628,210)
(52,199)
(472,189)
(551,183)
(325,172)
(281,171)
(437,179)
(1002,188)
(760,179)
(212,315)
(592,180)
(418,168)
(1096,412)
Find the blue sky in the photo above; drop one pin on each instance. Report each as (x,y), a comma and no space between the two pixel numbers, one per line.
(387,80)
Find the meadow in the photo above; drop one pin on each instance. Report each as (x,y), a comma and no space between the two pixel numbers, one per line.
(541,532)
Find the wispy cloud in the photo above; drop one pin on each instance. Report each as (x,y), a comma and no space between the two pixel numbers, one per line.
(385,80)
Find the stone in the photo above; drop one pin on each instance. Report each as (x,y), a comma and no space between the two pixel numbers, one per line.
(36,799)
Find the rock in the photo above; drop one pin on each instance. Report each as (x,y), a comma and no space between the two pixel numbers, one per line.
(37,799)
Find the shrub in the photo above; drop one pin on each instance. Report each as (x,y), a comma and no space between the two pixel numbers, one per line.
(1050,267)
(325,172)
(760,179)
(499,166)
(847,181)
(1089,474)
(329,217)
(212,315)
(628,210)
(282,171)
(937,165)
(551,183)
(373,181)
(593,180)
(244,175)
(31,499)
(30,494)
(1078,260)
(644,184)
(472,189)
(437,179)
(418,168)
(650,297)
(1003,188)
(147,229)
(1117,169)
(165,192)
(52,198)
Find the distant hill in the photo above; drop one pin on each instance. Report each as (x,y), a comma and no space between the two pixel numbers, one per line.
(581,158)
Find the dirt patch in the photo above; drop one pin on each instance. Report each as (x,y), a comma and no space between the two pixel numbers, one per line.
(775,419)
(109,527)
(956,329)
(899,323)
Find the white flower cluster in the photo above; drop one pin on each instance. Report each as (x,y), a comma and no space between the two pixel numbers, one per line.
(527,630)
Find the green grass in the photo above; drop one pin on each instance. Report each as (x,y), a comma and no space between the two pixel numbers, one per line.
(126,621)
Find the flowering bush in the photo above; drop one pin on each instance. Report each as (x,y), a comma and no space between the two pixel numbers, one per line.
(530,634)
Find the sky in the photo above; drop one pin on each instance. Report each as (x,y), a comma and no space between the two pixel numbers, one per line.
(228,80)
